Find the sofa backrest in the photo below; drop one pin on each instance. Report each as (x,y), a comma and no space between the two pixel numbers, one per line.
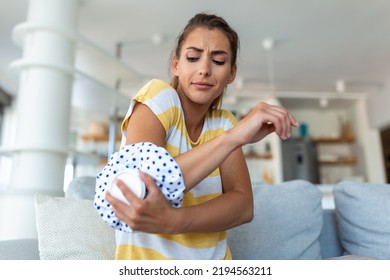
(82,187)
(287,224)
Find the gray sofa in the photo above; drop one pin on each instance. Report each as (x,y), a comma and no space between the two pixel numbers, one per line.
(289,223)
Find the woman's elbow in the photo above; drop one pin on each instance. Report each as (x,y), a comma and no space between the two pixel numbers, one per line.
(248,214)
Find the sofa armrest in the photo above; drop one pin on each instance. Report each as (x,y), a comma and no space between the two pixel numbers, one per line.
(19,249)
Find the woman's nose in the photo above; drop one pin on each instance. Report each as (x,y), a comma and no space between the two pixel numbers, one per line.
(205,67)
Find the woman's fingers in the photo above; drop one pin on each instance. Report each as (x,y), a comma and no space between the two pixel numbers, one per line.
(131,197)
(287,122)
(122,210)
(271,118)
(278,117)
(150,184)
(142,214)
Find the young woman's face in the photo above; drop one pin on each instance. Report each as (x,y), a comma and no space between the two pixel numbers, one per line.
(204,66)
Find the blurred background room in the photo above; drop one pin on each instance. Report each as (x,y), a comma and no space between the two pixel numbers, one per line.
(68,69)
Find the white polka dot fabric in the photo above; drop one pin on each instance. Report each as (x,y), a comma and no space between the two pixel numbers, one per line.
(148,158)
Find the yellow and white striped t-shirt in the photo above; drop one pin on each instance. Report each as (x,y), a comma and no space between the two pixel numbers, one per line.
(163,100)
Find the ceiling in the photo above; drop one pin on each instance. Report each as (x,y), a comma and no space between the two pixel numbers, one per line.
(316,42)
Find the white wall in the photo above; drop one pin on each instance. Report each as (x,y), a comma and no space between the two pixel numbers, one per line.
(370,139)
(378,107)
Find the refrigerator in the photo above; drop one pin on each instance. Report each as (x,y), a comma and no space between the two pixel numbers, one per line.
(300,160)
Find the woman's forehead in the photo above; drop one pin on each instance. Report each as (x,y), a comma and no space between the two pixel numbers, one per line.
(204,38)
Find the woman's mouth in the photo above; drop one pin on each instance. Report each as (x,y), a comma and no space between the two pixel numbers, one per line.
(202,85)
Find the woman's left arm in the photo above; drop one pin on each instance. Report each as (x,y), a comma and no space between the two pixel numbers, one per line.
(233,208)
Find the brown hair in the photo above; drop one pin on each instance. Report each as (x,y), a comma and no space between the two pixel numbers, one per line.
(211,22)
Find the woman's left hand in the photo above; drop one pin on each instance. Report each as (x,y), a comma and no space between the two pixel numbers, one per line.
(153,214)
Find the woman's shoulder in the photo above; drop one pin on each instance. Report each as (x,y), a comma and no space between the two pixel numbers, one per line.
(160,97)
(158,84)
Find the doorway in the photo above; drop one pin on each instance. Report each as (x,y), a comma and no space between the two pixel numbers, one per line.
(385,138)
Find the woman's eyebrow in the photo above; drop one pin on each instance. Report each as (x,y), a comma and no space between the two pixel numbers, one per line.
(212,52)
(195,49)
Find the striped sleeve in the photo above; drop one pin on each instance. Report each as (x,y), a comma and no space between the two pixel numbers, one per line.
(163,101)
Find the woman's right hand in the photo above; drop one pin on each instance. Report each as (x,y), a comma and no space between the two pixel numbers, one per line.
(152,214)
(262,120)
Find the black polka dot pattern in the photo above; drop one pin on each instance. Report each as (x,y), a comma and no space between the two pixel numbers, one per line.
(148,158)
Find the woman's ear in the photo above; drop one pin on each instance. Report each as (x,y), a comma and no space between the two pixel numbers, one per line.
(232,75)
(174,65)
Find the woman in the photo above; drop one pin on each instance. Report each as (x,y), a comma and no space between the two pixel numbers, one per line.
(185,118)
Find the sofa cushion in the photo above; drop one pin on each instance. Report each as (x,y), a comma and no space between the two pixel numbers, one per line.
(81,188)
(287,224)
(72,229)
(362,212)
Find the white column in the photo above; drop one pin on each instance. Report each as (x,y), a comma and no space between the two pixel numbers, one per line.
(370,144)
(43,109)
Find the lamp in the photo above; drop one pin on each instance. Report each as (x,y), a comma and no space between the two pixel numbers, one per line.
(324,102)
(268,45)
(340,86)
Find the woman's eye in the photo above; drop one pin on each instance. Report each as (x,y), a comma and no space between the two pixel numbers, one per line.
(192,58)
(219,62)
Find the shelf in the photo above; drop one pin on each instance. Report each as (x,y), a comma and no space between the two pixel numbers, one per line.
(339,162)
(258,156)
(348,160)
(98,137)
(332,140)
(80,157)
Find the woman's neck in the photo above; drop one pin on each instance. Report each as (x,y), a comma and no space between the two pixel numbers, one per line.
(194,116)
